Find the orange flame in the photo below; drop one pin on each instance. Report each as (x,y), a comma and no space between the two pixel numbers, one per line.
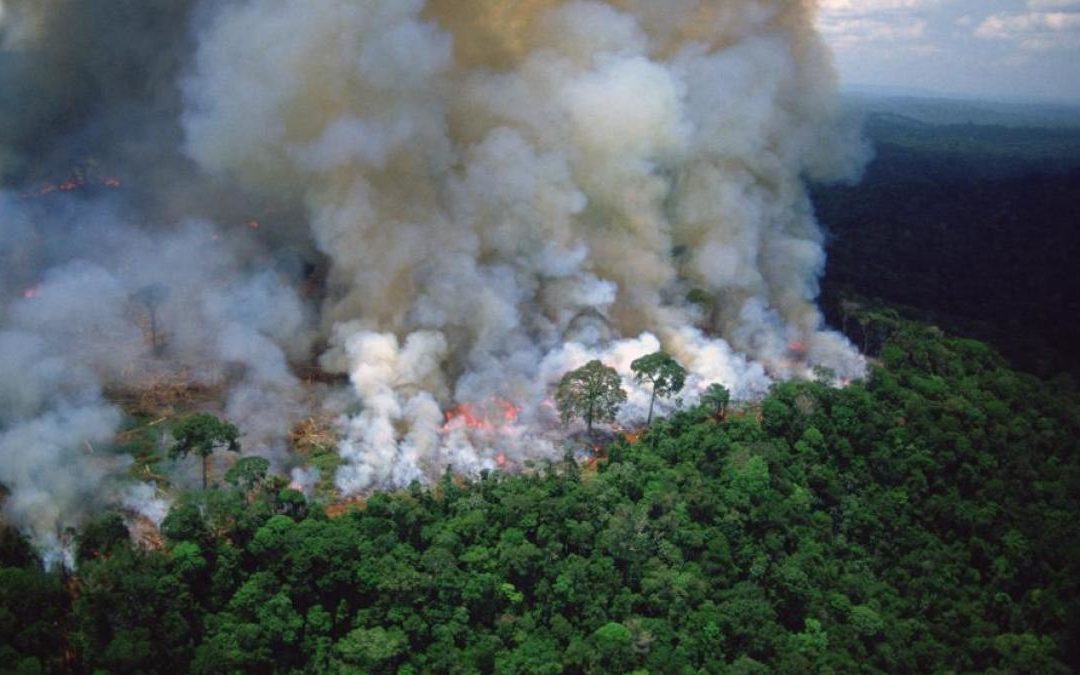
(31,292)
(497,413)
(76,182)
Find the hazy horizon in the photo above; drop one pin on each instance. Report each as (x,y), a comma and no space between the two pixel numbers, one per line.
(880,91)
(997,50)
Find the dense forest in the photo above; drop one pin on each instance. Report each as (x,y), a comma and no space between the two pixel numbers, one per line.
(922,520)
(970,226)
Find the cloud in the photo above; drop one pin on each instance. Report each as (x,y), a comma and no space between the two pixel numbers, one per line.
(872,6)
(1037,5)
(1035,31)
(847,32)
(853,25)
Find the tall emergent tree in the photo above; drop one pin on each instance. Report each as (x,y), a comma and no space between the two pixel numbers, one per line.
(202,434)
(152,297)
(717,396)
(663,372)
(593,392)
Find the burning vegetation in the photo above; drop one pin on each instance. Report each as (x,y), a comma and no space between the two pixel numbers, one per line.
(493,415)
(87,175)
(379,267)
(418,247)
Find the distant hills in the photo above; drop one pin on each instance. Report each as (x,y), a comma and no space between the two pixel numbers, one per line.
(945,110)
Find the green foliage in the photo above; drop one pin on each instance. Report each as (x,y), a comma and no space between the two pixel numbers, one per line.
(33,605)
(665,374)
(101,536)
(141,438)
(921,521)
(973,227)
(371,649)
(15,550)
(132,614)
(593,392)
(188,559)
(611,646)
(716,397)
(201,434)
(185,522)
(248,472)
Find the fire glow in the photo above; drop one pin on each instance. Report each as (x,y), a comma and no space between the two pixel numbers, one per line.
(465,222)
(74,183)
(491,416)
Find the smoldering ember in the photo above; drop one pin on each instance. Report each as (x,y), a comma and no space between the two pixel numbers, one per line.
(450,204)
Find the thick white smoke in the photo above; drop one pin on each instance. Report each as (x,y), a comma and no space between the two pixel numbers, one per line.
(506,189)
(480,195)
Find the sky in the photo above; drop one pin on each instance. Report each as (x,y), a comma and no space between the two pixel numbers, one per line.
(1001,49)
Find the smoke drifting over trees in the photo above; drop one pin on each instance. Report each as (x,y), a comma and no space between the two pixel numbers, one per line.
(497,193)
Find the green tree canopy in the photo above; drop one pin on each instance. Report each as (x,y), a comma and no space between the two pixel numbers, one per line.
(202,434)
(247,472)
(717,397)
(665,374)
(593,392)
(816,533)
(101,535)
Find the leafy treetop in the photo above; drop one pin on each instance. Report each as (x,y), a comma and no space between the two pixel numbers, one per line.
(202,434)
(592,392)
(248,472)
(717,397)
(665,374)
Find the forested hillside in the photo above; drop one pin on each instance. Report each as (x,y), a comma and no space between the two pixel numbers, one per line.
(924,520)
(971,226)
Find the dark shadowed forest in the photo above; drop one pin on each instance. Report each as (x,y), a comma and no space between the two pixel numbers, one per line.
(971,226)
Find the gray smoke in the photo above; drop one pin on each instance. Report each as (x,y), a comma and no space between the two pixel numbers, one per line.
(90,79)
(80,327)
(483,175)
(449,202)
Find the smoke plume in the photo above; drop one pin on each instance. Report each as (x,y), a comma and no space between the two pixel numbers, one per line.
(484,194)
(507,189)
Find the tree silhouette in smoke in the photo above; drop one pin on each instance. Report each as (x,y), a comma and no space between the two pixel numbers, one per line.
(151,297)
